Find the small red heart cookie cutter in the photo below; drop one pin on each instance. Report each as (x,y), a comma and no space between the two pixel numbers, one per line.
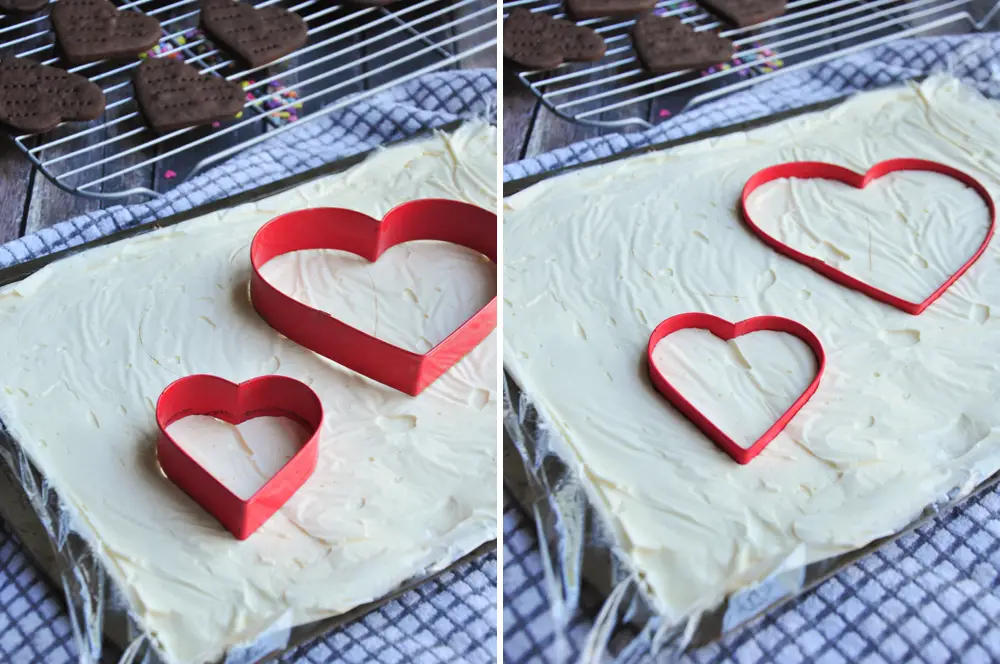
(820,170)
(335,228)
(276,396)
(727,331)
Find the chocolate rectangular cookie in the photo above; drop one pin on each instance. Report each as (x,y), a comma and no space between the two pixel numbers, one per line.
(744,13)
(665,44)
(174,95)
(90,30)
(259,36)
(581,9)
(538,41)
(35,98)
(22,6)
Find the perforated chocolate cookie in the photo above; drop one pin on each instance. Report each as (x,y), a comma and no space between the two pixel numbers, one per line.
(581,9)
(665,44)
(21,6)
(539,41)
(173,95)
(259,36)
(745,12)
(36,98)
(89,30)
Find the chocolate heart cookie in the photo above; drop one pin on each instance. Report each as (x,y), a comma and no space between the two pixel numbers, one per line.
(538,41)
(581,9)
(665,44)
(259,36)
(22,6)
(36,98)
(89,30)
(173,95)
(744,13)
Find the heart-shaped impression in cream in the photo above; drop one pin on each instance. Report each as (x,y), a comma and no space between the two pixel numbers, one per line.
(740,383)
(206,426)
(467,307)
(902,233)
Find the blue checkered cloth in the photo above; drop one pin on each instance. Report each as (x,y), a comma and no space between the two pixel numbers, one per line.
(451,619)
(932,595)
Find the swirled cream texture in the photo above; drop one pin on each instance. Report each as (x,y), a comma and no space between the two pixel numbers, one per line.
(742,385)
(403,485)
(906,410)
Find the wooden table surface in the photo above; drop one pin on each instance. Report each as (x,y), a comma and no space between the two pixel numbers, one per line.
(530,129)
(29,201)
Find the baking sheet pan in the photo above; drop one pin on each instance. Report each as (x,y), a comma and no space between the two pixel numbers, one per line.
(575,543)
(38,521)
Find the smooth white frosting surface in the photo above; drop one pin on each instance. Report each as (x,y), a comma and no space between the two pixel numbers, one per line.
(906,410)
(244,456)
(742,385)
(403,485)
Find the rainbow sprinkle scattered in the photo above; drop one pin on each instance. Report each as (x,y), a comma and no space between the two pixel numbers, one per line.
(193,46)
(766,59)
(274,97)
(753,60)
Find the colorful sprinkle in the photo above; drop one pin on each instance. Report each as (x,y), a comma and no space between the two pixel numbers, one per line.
(170,175)
(192,45)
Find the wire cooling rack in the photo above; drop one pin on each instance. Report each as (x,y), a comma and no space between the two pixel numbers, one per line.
(353,52)
(611,92)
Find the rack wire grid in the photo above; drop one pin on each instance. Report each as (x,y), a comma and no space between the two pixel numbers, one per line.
(616,92)
(353,52)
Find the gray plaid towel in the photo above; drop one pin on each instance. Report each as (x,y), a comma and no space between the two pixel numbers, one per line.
(933,595)
(449,619)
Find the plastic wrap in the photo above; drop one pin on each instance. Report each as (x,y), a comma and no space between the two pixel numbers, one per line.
(577,546)
(97,609)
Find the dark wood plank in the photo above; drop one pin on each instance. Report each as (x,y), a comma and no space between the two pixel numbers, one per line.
(15,183)
(433,27)
(48,203)
(342,51)
(550,131)
(484,58)
(140,178)
(519,109)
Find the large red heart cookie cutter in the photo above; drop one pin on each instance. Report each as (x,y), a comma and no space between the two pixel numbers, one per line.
(335,228)
(727,331)
(821,170)
(276,396)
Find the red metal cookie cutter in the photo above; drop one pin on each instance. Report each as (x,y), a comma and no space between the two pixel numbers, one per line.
(336,228)
(726,331)
(816,169)
(258,397)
